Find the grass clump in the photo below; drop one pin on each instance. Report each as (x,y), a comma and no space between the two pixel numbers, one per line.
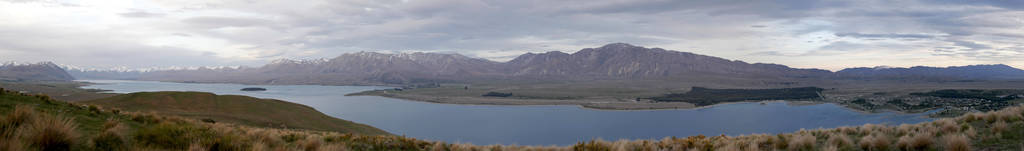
(802,142)
(957,143)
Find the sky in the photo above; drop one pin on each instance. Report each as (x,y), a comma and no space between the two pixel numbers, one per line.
(832,35)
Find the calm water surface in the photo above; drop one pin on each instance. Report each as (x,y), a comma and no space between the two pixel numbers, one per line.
(536,125)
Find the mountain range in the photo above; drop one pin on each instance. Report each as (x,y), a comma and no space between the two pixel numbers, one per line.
(616,61)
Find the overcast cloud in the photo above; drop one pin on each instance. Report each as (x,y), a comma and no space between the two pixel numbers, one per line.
(806,34)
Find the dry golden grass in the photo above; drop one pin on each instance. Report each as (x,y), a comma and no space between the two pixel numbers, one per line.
(957,143)
(916,142)
(839,140)
(802,142)
(999,126)
(875,142)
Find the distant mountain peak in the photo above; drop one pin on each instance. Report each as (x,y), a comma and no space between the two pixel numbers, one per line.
(41,71)
(306,61)
(618,45)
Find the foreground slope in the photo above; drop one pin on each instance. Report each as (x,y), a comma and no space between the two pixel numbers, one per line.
(234,109)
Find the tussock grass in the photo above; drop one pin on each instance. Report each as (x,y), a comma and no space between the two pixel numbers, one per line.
(47,132)
(957,143)
(874,142)
(802,142)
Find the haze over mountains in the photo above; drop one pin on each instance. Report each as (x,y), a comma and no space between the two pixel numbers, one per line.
(617,61)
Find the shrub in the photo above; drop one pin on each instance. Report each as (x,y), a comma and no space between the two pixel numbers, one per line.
(593,145)
(227,143)
(51,133)
(780,142)
(145,118)
(109,140)
(94,109)
(957,143)
(339,147)
(311,144)
(289,138)
(831,148)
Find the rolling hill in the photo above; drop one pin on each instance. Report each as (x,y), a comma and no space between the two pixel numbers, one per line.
(233,109)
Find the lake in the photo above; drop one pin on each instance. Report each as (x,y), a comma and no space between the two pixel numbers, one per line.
(537,125)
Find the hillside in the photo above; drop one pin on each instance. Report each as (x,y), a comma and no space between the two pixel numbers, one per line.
(233,109)
(32,122)
(43,71)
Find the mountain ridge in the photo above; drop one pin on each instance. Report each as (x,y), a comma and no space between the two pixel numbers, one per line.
(611,61)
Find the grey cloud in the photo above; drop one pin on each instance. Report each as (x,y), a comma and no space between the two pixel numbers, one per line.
(898,36)
(1008,4)
(217,22)
(96,49)
(842,46)
(140,14)
(482,26)
(971,45)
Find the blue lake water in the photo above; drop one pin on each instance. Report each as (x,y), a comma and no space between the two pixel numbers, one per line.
(537,125)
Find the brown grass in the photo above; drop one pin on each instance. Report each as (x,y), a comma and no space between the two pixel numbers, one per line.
(874,142)
(957,143)
(802,142)
(916,142)
(999,126)
(839,140)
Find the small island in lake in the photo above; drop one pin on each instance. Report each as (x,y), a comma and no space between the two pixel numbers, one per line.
(254,89)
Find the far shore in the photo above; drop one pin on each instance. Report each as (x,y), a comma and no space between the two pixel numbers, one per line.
(593,103)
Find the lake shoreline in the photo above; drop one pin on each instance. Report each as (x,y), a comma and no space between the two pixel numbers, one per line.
(522,124)
(600,104)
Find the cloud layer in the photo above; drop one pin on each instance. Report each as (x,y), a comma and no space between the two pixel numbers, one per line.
(803,33)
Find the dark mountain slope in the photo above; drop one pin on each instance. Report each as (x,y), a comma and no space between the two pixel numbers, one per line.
(44,71)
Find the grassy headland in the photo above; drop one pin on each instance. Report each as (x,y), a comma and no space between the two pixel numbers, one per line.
(706,96)
(68,91)
(233,108)
(37,122)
